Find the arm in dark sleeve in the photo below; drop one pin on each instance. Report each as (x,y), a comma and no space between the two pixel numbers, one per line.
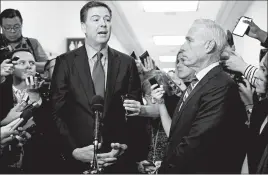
(265,44)
(137,124)
(134,87)
(203,131)
(59,89)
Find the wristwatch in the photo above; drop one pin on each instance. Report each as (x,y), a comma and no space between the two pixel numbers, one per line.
(249,112)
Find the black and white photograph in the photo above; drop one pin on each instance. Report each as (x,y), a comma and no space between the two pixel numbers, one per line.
(133,87)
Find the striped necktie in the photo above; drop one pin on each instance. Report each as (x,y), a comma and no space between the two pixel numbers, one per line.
(189,90)
(99,76)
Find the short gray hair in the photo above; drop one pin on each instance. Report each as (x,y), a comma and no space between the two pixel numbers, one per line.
(215,32)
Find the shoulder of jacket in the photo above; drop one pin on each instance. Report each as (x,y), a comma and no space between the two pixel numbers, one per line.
(122,55)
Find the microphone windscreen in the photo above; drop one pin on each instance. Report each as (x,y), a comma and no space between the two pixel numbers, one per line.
(26,114)
(97,103)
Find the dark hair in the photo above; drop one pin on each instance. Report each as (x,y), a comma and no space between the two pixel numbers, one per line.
(10,13)
(91,4)
(20,50)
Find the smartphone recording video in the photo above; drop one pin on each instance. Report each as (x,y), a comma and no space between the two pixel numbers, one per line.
(153,81)
(14,59)
(241,27)
(230,38)
(143,56)
(133,55)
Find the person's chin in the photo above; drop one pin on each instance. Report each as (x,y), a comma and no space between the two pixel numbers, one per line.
(12,38)
(102,40)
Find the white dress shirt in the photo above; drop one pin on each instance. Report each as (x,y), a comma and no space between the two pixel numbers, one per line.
(202,73)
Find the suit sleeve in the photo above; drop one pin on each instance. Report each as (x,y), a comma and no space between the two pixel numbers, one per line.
(134,87)
(139,142)
(205,130)
(59,88)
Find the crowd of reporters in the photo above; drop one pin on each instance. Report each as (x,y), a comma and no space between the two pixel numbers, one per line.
(35,147)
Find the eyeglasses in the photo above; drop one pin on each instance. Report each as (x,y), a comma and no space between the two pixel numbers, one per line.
(15,28)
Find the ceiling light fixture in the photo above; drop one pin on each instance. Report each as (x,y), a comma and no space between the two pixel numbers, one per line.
(170,6)
(169,40)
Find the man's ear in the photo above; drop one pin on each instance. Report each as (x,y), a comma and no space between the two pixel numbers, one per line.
(210,46)
(83,27)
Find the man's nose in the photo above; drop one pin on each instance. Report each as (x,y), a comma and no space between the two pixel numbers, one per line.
(28,65)
(182,49)
(103,22)
(13,30)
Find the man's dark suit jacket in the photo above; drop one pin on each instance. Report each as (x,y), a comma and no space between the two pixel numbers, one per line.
(73,89)
(207,134)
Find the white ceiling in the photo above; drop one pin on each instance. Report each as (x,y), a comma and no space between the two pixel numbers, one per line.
(135,28)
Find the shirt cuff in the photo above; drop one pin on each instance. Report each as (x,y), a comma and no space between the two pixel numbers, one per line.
(39,102)
(250,74)
(3,79)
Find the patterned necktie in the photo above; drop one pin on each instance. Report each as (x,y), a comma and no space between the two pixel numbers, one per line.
(189,89)
(99,76)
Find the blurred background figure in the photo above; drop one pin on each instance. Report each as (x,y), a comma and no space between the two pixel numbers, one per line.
(11,23)
(171,73)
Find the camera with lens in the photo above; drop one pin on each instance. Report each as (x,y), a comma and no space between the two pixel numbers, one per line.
(5,49)
(238,78)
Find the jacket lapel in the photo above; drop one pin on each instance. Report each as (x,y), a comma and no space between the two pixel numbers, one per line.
(200,84)
(83,69)
(113,70)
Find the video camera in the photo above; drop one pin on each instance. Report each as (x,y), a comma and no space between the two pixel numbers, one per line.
(5,49)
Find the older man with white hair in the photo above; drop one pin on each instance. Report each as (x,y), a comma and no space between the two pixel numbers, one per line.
(208,127)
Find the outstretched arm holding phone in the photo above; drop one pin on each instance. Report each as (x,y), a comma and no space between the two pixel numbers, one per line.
(257,33)
(166,120)
(236,62)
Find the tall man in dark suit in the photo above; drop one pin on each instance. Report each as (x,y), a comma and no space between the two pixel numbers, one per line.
(208,127)
(97,69)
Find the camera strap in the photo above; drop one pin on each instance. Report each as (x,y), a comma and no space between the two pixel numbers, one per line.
(30,45)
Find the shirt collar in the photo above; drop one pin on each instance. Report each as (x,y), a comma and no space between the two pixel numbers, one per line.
(204,71)
(91,52)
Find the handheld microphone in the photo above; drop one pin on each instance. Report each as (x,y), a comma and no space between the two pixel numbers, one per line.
(25,116)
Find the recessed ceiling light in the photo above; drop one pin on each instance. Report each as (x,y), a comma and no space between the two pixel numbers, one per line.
(167,58)
(169,6)
(169,40)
